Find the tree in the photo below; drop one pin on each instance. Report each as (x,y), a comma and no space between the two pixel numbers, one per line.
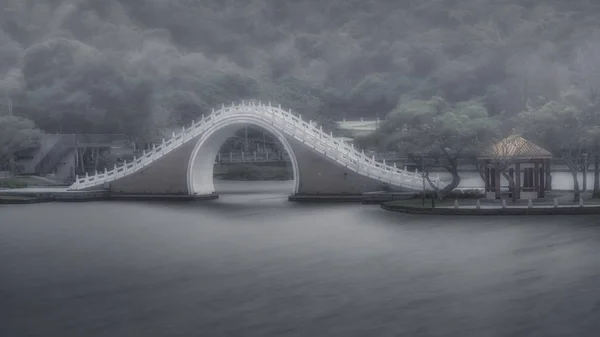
(436,133)
(563,126)
(15,134)
(587,77)
(346,58)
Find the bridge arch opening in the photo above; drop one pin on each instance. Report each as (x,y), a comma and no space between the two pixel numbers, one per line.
(201,164)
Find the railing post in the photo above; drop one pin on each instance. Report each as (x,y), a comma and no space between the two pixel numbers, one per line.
(115,168)
(105,170)
(242,156)
(230,156)
(254,155)
(86,176)
(267,155)
(77,177)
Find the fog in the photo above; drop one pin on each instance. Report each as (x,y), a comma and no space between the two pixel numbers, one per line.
(138,66)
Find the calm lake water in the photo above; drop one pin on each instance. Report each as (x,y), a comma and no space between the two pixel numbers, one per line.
(254,264)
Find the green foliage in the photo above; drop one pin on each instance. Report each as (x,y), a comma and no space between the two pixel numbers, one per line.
(13,183)
(466,194)
(436,128)
(563,125)
(566,126)
(15,134)
(140,66)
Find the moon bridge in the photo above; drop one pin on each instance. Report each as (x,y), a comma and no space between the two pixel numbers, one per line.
(183,164)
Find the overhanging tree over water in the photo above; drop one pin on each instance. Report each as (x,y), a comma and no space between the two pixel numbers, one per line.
(435,133)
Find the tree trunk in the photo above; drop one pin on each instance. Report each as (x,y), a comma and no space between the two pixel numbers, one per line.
(438,192)
(574,170)
(511,183)
(453,169)
(481,170)
(96,154)
(81,160)
(597,176)
(455,181)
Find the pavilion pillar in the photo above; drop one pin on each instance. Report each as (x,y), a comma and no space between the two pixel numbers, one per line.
(536,178)
(486,176)
(497,176)
(517,179)
(542,179)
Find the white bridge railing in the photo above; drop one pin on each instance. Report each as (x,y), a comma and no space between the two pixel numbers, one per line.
(289,124)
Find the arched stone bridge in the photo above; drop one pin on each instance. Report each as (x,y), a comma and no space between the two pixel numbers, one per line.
(184,164)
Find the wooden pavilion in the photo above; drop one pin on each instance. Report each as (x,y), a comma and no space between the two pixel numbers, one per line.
(527,163)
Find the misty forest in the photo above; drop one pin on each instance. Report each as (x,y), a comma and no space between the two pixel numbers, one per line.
(446,76)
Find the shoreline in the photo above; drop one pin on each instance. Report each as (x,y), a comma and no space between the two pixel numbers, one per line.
(32,197)
(494,210)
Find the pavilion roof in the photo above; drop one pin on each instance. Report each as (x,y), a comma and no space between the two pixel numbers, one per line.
(515,146)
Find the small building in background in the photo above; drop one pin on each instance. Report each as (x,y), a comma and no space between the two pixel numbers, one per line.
(66,155)
(362,127)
